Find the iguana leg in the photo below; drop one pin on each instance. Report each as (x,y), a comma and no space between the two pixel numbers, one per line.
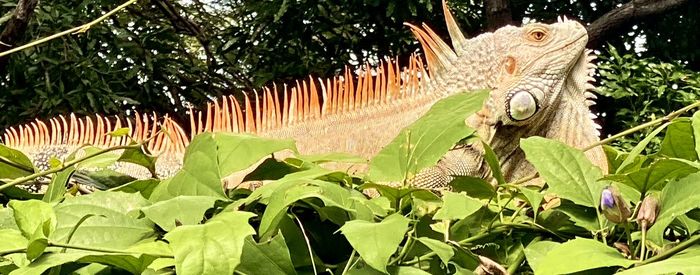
(461,161)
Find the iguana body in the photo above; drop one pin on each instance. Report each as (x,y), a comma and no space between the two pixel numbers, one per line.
(538,75)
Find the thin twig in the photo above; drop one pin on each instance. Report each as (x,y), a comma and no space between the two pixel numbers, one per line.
(66,165)
(79,29)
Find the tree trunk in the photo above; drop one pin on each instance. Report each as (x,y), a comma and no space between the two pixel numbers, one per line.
(15,28)
(498,14)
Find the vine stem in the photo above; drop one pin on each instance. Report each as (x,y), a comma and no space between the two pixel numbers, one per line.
(643,244)
(104,250)
(79,29)
(66,165)
(86,248)
(673,251)
(521,257)
(640,127)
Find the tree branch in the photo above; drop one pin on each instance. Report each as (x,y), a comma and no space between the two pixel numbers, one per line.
(616,19)
(15,28)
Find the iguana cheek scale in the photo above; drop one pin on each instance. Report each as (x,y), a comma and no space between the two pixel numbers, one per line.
(539,75)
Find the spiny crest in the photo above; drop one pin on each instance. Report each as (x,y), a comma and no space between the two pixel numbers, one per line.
(437,53)
(94,131)
(312,99)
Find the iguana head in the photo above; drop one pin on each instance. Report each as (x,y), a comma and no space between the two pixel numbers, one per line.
(536,59)
(539,78)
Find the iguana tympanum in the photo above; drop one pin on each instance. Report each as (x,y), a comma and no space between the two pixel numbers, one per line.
(539,76)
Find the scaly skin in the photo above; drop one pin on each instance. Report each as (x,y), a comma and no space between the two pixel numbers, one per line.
(538,75)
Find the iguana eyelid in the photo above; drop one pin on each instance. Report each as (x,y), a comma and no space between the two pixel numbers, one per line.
(537,34)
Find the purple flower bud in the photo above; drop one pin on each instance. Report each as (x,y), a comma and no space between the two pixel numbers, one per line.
(613,206)
(607,199)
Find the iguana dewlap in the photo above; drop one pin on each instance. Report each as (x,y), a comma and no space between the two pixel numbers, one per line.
(538,74)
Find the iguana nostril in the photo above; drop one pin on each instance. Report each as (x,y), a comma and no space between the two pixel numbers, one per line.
(521,105)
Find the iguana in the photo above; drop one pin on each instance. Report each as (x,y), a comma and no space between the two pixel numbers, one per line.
(539,76)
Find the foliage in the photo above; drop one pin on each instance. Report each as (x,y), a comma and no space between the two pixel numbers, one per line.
(642,89)
(310,219)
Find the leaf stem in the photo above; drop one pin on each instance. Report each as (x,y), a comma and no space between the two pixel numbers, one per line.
(673,251)
(12,251)
(308,243)
(66,165)
(404,250)
(521,257)
(347,265)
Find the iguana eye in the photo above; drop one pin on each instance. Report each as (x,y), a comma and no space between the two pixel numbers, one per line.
(521,105)
(537,34)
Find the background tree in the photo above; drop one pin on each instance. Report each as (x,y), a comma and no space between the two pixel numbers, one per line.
(166,56)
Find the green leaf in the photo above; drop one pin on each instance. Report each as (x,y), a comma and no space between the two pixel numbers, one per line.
(57,187)
(685,262)
(676,199)
(457,206)
(579,255)
(656,174)
(696,131)
(144,187)
(272,257)
(679,141)
(639,148)
(212,156)
(11,240)
(14,164)
(424,142)
(238,151)
(533,197)
(46,261)
(586,217)
(291,191)
(186,210)
(115,223)
(200,175)
(97,162)
(567,171)
(537,251)
(7,218)
(474,187)
(37,245)
(31,216)
(138,157)
(492,161)
(119,132)
(333,157)
(211,248)
(376,242)
(443,250)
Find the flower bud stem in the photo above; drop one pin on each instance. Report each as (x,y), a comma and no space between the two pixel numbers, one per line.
(673,251)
